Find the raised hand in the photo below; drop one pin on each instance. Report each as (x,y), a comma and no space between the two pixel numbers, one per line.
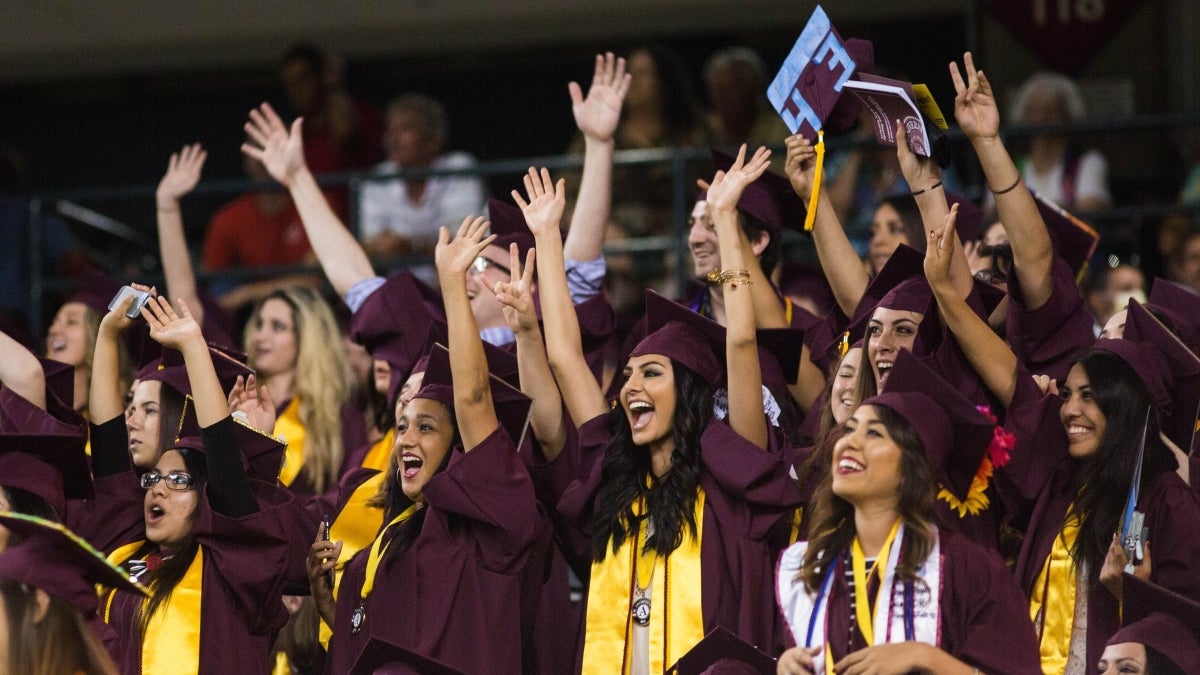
(168,328)
(183,172)
(516,294)
(919,172)
(974,103)
(454,256)
(281,151)
(115,322)
(547,199)
(727,186)
(800,166)
(598,114)
(939,252)
(256,403)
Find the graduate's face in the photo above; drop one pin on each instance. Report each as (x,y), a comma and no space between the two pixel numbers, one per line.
(1080,414)
(887,232)
(487,309)
(1125,658)
(866,460)
(841,396)
(1114,328)
(273,344)
(169,513)
(889,331)
(424,432)
(67,340)
(702,242)
(648,398)
(142,419)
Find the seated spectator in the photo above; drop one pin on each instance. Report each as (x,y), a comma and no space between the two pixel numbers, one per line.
(400,216)
(1185,266)
(736,80)
(1109,292)
(258,229)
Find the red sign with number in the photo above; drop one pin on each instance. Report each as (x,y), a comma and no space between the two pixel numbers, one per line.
(1065,34)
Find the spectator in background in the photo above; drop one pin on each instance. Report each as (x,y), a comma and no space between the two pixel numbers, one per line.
(1109,290)
(340,133)
(1072,177)
(736,81)
(401,216)
(1186,265)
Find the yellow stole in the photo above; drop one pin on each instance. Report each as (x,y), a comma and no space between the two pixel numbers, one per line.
(1052,602)
(676,586)
(171,643)
(291,429)
(356,526)
(381,453)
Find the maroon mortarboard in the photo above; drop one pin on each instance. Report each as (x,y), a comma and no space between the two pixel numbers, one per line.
(58,561)
(723,653)
(95,289)
(53,467)
(1074,240)
(955,434)
(509,226)
(60,390)
(1181,307)
(969,223)
(698,342)
(171,370)
(512,406)
(899,285)
(803,281)
(769,199)
(396,322)
(1167,368)
(1160,619)
(383,657)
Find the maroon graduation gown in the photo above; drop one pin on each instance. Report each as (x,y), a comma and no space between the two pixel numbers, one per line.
(1046,339)
(455,594)
(1037,483)
(984,617)
(747,492)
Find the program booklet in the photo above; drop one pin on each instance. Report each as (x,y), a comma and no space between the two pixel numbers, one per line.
(888,100)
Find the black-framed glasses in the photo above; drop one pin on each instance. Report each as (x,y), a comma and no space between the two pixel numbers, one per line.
(481,265)
(174,480)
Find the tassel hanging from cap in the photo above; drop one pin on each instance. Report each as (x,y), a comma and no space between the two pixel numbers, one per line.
(811,216)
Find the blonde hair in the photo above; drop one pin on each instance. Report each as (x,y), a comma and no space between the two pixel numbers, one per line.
(323,381)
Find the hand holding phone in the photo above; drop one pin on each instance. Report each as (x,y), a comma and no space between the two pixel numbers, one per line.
(140,298)
(325,523)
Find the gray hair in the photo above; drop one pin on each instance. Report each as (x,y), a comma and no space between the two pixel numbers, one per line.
(432,113)
(745,61)
(1054,86)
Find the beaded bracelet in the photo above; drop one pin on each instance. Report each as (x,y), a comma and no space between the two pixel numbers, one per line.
(1010,188)
(931,187)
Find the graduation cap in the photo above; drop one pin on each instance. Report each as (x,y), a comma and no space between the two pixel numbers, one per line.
(1162,620)
(954,432)
(96,289)
(53,467)
(1167,368)
(970,222)
(1074,240)
(171,370)
(899,285)
(509,226)
(770,199)
(383,657)
(723,653)
(58,561)
(512,406)
(1181,307)
(698,342)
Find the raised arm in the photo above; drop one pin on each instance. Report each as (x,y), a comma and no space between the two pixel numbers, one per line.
(744,380)
(842,267)
(282,153)
(181,332)
(976,111)
(537,382)
(988,354)
(183,172)
(105,398)
(543,213)
(21,371)
(468,366)
(596,117)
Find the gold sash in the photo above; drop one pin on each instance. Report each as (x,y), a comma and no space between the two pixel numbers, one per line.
(291,429)
(171,643)
(378,456)
(356,526)
(1052,602)
(609,633)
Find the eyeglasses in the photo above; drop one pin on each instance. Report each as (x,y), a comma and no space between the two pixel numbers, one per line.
(175,480)
(481,265)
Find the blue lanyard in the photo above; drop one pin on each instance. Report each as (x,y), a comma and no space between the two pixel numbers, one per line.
(826,585)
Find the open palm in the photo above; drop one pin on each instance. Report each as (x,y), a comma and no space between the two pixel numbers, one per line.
(597,115)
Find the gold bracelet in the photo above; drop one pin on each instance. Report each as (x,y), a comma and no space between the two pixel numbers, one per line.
(731,277)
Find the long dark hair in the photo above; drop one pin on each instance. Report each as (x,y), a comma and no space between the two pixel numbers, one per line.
(24,501)
(1157,663)
(162,581)
(171,406)
(832,528)
(60,644)
(1101,482)
(681,111)
(625,472)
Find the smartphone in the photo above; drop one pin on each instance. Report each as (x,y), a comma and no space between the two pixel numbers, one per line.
(140,298)
(325,535)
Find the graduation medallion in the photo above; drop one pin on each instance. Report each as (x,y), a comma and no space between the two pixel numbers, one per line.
(357,618)
(641,611)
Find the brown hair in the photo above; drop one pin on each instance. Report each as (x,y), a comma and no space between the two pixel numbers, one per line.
(59,644)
